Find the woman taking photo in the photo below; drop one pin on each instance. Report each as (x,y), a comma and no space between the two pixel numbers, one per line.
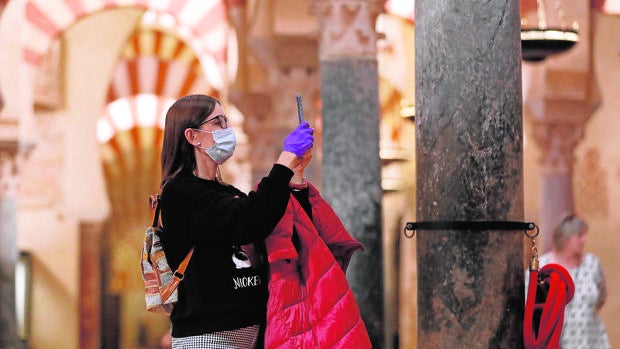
(223,296)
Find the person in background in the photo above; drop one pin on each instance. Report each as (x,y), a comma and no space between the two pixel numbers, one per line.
(223,296)
(583,327)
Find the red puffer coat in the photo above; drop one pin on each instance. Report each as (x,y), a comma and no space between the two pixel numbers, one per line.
(310,302)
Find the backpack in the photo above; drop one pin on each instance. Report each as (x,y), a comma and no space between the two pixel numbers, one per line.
(160,283)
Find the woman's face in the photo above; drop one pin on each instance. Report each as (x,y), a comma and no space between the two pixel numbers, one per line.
(576,243)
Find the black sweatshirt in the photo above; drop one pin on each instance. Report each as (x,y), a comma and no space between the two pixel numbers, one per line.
(225,284)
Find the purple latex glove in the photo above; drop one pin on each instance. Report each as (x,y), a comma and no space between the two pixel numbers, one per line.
(300,140)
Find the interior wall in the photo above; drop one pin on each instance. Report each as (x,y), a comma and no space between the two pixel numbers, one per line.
(51,240)
(597,170)
(66,167)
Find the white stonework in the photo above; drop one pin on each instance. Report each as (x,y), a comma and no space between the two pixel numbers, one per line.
(347,27)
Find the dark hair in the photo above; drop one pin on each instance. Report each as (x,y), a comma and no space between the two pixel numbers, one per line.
(177,155)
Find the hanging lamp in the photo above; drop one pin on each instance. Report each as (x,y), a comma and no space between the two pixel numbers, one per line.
(541,41)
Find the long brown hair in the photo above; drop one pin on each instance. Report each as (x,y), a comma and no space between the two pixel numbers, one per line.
(177,155)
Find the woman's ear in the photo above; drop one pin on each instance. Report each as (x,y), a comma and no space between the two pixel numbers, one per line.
(190,135)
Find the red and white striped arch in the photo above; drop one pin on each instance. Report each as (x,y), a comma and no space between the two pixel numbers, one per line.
(144,110)
(201,23)
(148,73)
(159,63)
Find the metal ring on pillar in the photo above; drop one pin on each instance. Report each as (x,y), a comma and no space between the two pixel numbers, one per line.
(531,236)
(409,226)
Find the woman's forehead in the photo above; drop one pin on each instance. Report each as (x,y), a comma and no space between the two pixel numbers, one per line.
(219,109)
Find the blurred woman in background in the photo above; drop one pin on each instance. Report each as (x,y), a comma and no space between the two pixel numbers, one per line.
(583,327)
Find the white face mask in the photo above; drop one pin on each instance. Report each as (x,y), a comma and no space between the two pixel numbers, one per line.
(224,146)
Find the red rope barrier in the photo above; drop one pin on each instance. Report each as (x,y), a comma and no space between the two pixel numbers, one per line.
(549,291)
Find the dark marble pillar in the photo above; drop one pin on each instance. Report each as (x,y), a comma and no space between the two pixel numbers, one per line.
(352,175)
(469,167)
(8,260)
(351,164)
(10,155)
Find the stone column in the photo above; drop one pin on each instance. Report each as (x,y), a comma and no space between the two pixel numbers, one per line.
(11,154)
(351,164)
(469,168)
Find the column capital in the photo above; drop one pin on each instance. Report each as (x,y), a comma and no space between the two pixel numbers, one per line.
(347,27)
(557,142)
(558,125)
(12,154)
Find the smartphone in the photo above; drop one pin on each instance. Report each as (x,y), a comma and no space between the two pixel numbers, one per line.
(300,108)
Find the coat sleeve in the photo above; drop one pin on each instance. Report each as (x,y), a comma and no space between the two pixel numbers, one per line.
(331,229)
(279,243)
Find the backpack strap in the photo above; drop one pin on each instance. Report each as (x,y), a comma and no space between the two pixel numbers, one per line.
(178,274)
(154,206)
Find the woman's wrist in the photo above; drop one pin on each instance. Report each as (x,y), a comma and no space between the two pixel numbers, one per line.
(297,184)
(287,159)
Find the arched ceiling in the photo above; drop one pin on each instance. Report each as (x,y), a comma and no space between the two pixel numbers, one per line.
(200,23)
(160,63)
